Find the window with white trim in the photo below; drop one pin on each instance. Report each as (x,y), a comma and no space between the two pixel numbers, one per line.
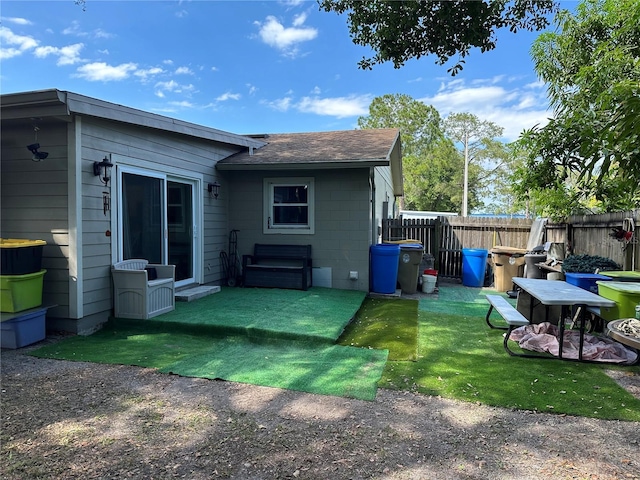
(289,205)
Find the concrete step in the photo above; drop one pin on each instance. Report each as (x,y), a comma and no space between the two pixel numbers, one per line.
(190,294)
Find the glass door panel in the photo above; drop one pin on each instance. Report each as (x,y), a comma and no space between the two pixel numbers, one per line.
(142,217)
(181,222)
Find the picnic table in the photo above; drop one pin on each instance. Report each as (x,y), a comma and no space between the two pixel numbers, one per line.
(550,293)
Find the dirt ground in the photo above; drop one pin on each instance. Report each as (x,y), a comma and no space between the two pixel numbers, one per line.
(68,420)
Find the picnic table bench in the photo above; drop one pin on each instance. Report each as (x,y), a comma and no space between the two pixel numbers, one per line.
(512,317)
(278,266)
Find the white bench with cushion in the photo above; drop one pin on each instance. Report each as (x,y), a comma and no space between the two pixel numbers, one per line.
(142,290)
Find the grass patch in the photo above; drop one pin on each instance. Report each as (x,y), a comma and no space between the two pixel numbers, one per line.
(460,357)
(314,367)
(385,324)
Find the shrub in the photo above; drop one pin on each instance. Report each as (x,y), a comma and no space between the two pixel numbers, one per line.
(588,264)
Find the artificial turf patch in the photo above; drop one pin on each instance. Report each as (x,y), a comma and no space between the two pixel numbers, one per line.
(461,357)
(390,324)
(303,366)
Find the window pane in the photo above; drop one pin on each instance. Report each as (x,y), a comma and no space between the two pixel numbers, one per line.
(291,215)
(290,194)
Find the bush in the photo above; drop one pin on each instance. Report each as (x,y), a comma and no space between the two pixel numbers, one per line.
(588,264)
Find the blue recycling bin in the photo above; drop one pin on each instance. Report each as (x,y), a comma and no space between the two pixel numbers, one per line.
(474,264)
(384,267)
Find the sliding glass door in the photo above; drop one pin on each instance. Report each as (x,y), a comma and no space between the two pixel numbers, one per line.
(157,221)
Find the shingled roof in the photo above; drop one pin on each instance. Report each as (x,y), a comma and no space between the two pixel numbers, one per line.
(339,149)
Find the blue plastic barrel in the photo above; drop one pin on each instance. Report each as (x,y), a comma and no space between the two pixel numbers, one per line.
(384,267)
(474,264)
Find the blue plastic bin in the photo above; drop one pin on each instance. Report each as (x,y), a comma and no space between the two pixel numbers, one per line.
(586,281)
(384,267)
(474,264)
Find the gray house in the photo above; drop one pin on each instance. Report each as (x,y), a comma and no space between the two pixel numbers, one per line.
(174,192)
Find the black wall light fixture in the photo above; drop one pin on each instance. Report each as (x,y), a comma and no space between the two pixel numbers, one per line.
(37,156)
(101,169)
(214,189)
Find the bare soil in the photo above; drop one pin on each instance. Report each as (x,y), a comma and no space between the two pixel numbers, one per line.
(67,420)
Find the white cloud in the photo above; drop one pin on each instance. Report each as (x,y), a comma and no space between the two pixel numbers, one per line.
(74,29)
(281,104)
(145,74)
(514,108)
(182,104)
(183,71)
(340,107)
(299,20)
(101,72)
(228,96)
(172,86)
(16,20)
(69,55)
(14,45)
(286,39)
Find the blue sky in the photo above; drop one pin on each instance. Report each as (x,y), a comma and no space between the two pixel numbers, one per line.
(248,66)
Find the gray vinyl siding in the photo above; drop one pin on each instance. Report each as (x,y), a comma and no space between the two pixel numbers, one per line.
(384,192)
(342,220)
(34,202)
(143,148)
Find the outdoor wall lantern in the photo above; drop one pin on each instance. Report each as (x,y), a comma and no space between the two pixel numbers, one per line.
(36,156)
(214,189)
(101,169)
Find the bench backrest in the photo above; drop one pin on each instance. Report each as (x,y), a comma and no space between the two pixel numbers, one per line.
(282,251)
(133,264)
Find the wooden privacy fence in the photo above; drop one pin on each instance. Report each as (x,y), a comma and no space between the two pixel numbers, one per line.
(445,237)
(591,234)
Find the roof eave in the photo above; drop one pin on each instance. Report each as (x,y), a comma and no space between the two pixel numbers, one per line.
(301,166)
(62,104)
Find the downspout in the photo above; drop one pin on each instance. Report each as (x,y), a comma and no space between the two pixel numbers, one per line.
(374,221)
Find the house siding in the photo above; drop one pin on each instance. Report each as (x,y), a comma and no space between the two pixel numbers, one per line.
(383,193)
(164,153)
(39,202)
(34,202)
(342,220)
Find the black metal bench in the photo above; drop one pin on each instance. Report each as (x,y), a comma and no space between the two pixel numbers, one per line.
(278,266)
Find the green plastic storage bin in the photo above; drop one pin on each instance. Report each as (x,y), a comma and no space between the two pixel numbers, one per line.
(625,294)
(21,292)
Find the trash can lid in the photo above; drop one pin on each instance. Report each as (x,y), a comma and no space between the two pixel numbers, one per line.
(499,249)
(403,241)
(411,246)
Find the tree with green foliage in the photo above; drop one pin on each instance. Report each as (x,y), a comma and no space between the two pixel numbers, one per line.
(434,181)
(479,148)
(591,148)
(419,124)
(398,31)
(432,167)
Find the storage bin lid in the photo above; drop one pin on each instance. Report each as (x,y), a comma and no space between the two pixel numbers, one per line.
(624,287)
(619,274)
(20,242)
(587,276)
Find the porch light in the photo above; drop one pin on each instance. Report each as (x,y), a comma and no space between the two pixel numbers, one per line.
(101,169)
(214,189)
